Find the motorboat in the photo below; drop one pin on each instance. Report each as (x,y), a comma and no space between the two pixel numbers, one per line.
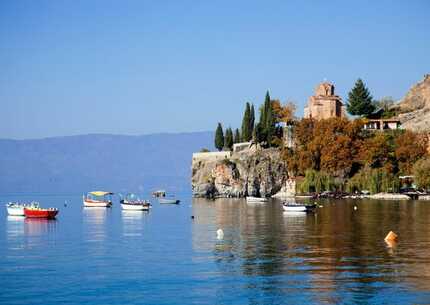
(298,207)
(251,199)
(17,209)
(38,212)
(131,202)
(168,200)
(99,199)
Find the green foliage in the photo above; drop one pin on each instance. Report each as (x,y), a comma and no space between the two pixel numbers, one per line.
(360,100)
(252,120)
(317,181)
(267,122)
(203,150)
(219,137)
(228,139)
(246,130)
(421,171)
(374,180)
(236,138)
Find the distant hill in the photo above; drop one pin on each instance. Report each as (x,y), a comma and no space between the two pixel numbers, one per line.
(111,162)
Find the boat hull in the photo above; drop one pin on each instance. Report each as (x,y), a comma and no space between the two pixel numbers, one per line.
(41,213)
(97,204)
(135,207)
(168,201)
(15,211)
(299,208)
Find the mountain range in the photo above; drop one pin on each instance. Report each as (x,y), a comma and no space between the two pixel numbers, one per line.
(100,161)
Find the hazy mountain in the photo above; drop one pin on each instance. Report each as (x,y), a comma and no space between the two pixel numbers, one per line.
(99,161)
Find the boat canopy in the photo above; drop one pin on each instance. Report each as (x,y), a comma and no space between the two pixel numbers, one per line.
(101,193)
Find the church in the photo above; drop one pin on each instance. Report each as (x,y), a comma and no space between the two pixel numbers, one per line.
(324,104)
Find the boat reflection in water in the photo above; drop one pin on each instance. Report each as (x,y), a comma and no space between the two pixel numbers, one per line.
(132,222)
(39,226)
(15,227)
(94,219)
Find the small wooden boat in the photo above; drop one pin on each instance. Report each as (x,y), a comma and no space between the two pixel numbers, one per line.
(37,212)
(298,207)
(98,199)
(17,209)
(131,202)
(168,200)
(251,199)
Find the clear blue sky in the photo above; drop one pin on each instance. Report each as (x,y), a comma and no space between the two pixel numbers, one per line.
(139,67)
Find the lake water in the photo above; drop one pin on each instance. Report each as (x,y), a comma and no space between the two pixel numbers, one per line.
(108,256)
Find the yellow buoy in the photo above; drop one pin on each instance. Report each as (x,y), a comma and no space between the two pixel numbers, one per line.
(391,237)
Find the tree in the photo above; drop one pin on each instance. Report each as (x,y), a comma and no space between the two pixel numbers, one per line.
(246,131)
(359,100)
(283,113)
(251,121)
(219,137)
(236,138)
(228,139)
(410,147)
(421,171)
(267,121)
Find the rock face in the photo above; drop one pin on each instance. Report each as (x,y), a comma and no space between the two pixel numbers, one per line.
(250,173)
(415,107)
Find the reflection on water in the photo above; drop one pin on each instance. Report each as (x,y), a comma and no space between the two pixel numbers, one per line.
(39,226)
(335,249)
(15,227)
(132,222)
(95,223)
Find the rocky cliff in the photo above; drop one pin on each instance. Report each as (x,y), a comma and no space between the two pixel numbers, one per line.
(258,172)
(415,107)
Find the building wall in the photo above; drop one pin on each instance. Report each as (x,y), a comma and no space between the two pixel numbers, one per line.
(211,156)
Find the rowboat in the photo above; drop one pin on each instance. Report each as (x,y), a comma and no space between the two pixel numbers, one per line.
(98,199)
(168,200)
(251,199)
(37,212)
(130,202)
(17,209)
(298,207)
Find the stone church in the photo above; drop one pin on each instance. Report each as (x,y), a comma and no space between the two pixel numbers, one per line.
(324,104)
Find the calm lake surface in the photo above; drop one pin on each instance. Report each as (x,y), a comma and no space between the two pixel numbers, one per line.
(108,256)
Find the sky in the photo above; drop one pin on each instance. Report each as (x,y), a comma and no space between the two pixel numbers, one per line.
(141,67)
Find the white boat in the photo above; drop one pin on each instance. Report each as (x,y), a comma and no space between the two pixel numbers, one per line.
(298,207)
(131,202)
(168,200)
(17,209)
(251,199)
(99,199)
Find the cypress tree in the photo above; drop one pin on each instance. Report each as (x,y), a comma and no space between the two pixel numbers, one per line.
(246,134)
(219,137)
(228,140)
(359,100)
(251,121)
(236,138)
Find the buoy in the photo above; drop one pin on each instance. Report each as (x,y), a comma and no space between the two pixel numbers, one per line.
(355,208)
(220,234)
(391,237)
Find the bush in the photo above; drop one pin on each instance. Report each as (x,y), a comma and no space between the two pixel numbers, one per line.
(421,171)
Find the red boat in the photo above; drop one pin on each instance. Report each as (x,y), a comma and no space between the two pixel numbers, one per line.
(35,212)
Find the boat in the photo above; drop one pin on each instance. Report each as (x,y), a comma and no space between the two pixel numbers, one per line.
(38,212)
(98,199)
(159,193)
(131,202)
(251,199)
(17,209)
(168,200)
(298,207)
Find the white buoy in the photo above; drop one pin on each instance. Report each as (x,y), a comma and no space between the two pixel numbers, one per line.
(355,208)
(220,234)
